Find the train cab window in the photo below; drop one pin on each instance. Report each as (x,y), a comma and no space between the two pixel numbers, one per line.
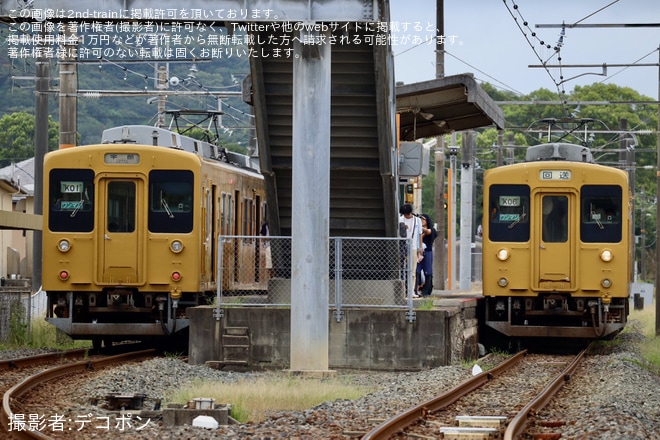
(508,213)
(121,206)
(600,214)
(71,200)
(554,225)
(171,195)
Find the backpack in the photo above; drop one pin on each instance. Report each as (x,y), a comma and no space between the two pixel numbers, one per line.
(403,231)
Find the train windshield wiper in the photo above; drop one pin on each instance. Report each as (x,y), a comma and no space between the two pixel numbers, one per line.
(596,217)
(518,220)
(165,206)
(83,197)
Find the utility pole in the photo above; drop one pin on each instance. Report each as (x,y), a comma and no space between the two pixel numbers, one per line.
(40,149)
(439,253)
(439,42)
(69,91)
(161,86)
(439,260)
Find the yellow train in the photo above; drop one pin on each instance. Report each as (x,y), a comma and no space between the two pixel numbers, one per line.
(557,254)
(131,228)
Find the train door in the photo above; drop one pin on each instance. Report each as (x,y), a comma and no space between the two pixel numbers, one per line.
(556,241)
(119,250)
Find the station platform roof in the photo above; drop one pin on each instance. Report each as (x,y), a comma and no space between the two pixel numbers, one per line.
(441,106)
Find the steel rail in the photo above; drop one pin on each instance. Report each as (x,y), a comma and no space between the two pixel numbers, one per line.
(519,422)
(7,364)
(23,387)
(397,423)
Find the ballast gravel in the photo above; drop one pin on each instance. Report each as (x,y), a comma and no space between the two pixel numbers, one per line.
(613,395)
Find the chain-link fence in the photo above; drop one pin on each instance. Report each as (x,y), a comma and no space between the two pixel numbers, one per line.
(15,306)
(364,272)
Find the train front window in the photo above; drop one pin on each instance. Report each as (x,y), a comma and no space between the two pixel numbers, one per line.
(508,213)
(600,214)
(554,226)
(71,200)
(121,206)
(171,201)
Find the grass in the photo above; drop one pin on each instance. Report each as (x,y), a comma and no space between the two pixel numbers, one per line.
(251,400)
(650,347)
(424,304)
(42,335)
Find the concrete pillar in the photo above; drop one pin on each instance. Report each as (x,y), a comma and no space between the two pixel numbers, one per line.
(466,212)
(310,219)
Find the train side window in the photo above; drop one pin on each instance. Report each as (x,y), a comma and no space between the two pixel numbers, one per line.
(600,214)
(554,226)
(171,195)
(71,200)
(508,213)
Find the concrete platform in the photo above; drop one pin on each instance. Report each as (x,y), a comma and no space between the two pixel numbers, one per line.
(378,339)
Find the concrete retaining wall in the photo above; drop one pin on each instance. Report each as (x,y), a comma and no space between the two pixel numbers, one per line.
(363,339)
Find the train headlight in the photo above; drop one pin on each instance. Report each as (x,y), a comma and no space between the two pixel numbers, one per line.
(606,255)
(606,283)
(64,245)
(176,246)
(502,282)
(503,254)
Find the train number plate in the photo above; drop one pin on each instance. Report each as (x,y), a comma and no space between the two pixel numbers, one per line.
(509,200)
(555,175)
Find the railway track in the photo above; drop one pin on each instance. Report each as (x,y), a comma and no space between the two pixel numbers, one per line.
(15,370)
(19,418)
(493,404)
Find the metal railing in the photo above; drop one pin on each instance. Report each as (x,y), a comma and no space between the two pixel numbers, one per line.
(363,272)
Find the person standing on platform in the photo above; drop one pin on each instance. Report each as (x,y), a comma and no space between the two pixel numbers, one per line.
(413,227)
(425,266)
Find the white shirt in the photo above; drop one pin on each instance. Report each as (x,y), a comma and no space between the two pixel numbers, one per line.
(412,224)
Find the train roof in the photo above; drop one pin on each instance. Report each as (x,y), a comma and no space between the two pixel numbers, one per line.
(161,137)
(559,151)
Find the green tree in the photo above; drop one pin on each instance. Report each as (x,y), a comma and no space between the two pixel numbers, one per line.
(17,137)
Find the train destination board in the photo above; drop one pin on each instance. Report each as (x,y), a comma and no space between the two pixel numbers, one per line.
(555,175)
(122,158)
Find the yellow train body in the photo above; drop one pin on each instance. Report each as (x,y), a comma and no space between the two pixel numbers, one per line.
(131,231)
(556,249)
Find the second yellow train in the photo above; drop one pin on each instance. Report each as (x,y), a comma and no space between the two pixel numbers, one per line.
(557,254)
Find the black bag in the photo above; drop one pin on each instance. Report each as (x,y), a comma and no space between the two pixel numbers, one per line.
(403,231)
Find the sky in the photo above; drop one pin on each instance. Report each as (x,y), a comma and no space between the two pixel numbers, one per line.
(483,38)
